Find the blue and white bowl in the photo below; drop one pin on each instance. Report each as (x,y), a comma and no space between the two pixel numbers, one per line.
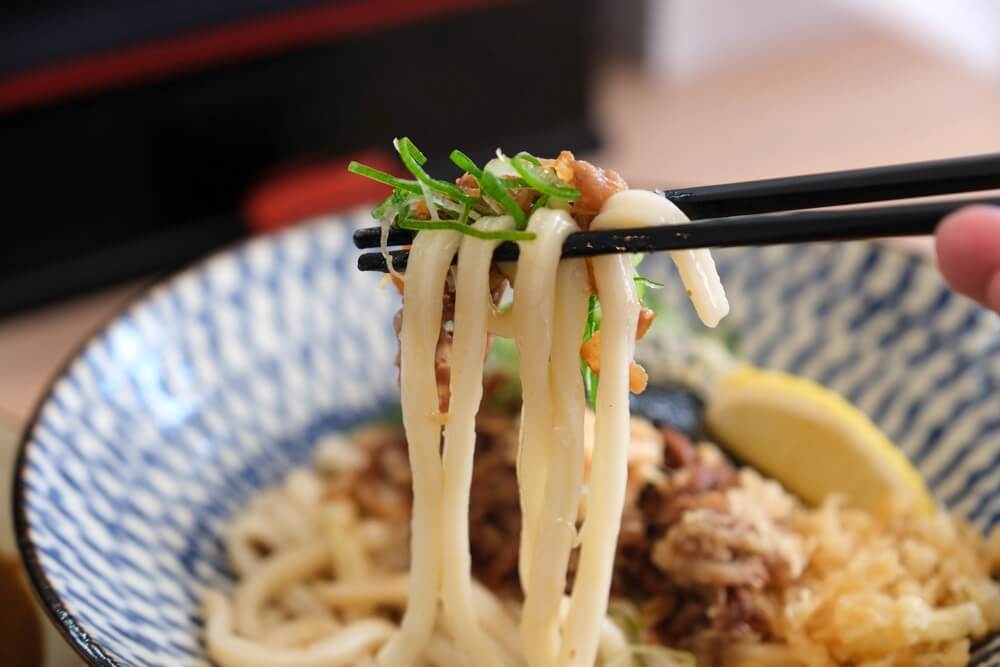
(216,383)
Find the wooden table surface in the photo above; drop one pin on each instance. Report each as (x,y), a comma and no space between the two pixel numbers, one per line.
(852,101)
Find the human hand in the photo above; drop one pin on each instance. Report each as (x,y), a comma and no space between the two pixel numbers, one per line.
(968,251)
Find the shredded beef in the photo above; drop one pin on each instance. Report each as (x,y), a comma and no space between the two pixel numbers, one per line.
(494,505)
(468,183)
(595,185)
(677,449)
(442,355)
(688,559)
(381,487)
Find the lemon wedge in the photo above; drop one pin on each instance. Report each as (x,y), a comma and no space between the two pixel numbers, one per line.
(809,439)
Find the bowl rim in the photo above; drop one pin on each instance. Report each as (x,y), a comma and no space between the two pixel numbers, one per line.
(66,623)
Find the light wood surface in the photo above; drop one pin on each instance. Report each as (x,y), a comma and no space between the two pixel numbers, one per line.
(851,101)
(33,346)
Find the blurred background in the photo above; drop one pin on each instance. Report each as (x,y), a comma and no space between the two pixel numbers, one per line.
(137,136)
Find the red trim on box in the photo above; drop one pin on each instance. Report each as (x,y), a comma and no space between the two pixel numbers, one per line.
(313,190)
(211,47)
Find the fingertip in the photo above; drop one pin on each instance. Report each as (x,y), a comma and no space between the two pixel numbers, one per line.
(993,292)
(968,251)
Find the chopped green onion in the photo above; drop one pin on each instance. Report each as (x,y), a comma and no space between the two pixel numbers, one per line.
(453,225)
(491,186)
(593,318)
(590,378)
(382,177)
(525,155)
(383,207)
(414,151)
(465,163)
(642,283)
(514,183)
(411,157)
(648,282)
(455,207)
(542,179)
(397,199)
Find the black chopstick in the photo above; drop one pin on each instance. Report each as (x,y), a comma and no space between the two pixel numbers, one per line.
(855,186)
(371,237)
(836,188)
(762,229)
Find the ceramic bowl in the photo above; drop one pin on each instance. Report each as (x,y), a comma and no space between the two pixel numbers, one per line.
(217,382)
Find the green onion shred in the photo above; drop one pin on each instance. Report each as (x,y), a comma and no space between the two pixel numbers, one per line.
(543,180)
(451,206)
(413,160)
(416,224)
(590,378)
(382,177)
(456,209)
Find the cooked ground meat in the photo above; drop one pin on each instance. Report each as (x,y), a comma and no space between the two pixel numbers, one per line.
(381,484)
(524,197)
(468,183)
(594,183)
(442,355)
(688,557)
(381,488)
(494,504)
(697,560)
(595,186)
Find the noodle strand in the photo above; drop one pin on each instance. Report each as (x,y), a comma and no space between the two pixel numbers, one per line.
(430,259)
(556,529)
(344,648)
(534,303)
(274,575)
(472,301)
(642,208)
(609,466)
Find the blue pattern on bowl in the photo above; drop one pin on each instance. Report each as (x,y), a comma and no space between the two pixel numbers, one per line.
(219,381)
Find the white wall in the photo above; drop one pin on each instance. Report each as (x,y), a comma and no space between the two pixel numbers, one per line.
(966,31)
(687,38)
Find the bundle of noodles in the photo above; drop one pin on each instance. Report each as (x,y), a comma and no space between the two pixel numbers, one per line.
(549,307)
(710,559)
(538,204)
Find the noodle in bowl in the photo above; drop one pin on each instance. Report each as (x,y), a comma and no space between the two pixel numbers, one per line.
(173,453)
